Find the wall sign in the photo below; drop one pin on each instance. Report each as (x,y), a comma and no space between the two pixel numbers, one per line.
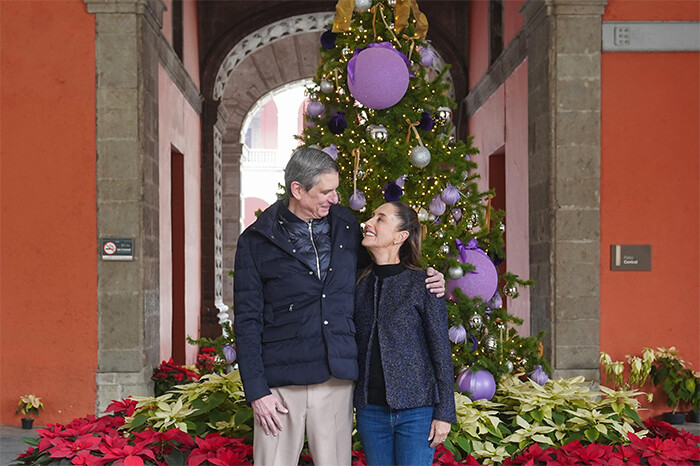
(630,257)
(118,249)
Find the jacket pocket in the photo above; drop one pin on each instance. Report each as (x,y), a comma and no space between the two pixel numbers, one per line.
(281,332)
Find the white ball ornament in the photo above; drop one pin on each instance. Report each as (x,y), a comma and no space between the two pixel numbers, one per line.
(326,87)
(420,156)
(422,214)
(455,272)
(362,5)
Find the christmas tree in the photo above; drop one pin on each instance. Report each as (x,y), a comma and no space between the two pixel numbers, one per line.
(378,108)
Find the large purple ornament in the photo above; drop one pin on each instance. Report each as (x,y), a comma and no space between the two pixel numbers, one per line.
(337,123)
(457,334)
(331,150)
(450,194)
(480,384)
(378,76)
(482,281)
(328,39)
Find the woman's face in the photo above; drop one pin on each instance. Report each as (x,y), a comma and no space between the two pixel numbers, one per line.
(382,229)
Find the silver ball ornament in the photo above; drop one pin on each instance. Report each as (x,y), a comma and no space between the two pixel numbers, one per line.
(431,217)
(443,115)
(347,52)
(362,5)
(490,343)
(510,291)
(326,87)
(420,156)
(391,2)
(377,133)
(502,227)
(469,224)
(509,366)
(360,174)
(455,272)
(445,249)
(475,321)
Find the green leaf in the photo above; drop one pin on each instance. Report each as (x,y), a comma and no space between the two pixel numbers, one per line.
(242,416)
(175,457)
(199,405)
(464,444)
(216,399)
(219,416)
(139,420)
(538,415)
(558,418)
(592,435)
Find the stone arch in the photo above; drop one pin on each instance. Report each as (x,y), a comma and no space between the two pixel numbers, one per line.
(281,52)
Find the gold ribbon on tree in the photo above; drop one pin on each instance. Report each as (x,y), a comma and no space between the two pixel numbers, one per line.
(356,154)
(488,212)
(412,126)
(402,10)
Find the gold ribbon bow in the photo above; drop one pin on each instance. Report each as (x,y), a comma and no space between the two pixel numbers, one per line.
(401,13)
(343,15)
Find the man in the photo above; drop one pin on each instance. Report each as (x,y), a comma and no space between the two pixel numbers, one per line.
(293,301)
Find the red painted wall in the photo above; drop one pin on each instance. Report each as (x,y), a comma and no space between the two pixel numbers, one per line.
(649,195)
(500,125)
(48,271)
(650,171)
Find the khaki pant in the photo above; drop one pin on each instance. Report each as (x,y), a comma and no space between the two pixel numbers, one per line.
(324,412)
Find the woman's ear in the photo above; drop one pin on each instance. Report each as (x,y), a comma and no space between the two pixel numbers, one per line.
(401,236)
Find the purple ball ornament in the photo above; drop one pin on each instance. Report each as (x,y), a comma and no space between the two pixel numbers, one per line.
(450,195)
(496,302)
(482,281)
(378,75)
(457,334)
(480,384)
(337,123)
(437,207)
(456,214)
(539,376)
(314,108)
(426,122)
(332,151)
(401,181)
(328,39)
(357,201)
(427,56)
(392,192)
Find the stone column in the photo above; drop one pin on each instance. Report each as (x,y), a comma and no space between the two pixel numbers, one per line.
(563,52)
(126,65)
(232,152)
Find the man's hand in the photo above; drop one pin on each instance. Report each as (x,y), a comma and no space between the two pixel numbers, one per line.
(265,412)
(435,282)
(438,432)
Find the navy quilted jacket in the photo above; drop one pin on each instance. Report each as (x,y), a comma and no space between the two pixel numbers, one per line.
(292,328)
(414,343)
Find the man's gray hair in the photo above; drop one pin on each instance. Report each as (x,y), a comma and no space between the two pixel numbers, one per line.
(305,166)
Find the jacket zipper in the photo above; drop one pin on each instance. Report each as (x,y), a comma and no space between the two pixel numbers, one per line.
(318,264)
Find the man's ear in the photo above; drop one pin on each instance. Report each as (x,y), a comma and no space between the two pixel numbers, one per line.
(297,190)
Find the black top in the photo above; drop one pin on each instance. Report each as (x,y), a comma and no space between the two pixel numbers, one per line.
(376,394)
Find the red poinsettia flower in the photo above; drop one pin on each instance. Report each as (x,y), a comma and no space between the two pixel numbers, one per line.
(358,458)
(230,457)
(163,443)
(126,407)
(208,447)
(661,429)
(624,455)
(530,456)
(658,451)
(126,454)
(88,459)
(65,448)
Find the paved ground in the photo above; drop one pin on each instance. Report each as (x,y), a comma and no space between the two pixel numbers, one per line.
(11,443)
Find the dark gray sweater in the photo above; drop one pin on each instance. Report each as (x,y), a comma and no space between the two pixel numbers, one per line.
(413,341)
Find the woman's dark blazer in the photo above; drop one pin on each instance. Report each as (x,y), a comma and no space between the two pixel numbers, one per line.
(415,348)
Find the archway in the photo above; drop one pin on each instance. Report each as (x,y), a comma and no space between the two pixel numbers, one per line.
(267,58)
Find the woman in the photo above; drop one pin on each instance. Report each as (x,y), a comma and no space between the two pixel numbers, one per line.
(404,396)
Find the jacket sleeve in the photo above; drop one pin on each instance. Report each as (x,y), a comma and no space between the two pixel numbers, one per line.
(248,303)
(435,325)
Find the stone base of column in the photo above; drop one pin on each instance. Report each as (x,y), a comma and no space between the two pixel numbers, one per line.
(119,385)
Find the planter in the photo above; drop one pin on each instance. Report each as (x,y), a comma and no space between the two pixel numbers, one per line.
(694,416)
(27,423)
(674,418)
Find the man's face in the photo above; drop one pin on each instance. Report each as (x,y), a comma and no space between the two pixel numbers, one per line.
(316,202)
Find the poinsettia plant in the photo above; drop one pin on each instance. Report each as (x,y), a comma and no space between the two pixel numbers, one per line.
(674,376)
(29,406)
(169,374)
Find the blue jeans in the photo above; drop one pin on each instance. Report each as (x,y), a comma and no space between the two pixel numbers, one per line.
(395,436)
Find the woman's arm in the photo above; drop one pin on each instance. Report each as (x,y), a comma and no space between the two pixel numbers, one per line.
(435,325)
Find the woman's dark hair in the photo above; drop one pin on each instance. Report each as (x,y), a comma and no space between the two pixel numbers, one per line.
(410,252)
